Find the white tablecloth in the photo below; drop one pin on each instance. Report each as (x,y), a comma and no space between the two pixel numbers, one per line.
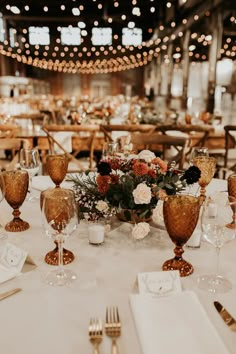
(44,319)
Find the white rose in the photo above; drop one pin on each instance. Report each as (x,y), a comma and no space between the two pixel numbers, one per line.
(157,214)
(142,194)
(140,230)
(102,206)
(146,155)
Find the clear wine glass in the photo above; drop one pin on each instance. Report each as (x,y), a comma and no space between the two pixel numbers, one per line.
(60,219)
(216,214)
(198,151)
(30,162)
(110,149)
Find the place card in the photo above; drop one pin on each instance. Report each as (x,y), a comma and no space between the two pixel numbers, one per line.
(12,261)
(159,283)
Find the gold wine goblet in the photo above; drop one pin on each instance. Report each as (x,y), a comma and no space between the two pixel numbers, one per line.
(16,188)
(57,166)
(207,166)
(180,214)
(52,256)
(231,182)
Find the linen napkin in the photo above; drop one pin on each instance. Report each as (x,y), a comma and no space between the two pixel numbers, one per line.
(178,321)
(13,261)
(65,140)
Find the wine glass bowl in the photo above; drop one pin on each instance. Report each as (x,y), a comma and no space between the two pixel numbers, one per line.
(57,166)
(16,188)
(199,151)
(109,149)
(216,213)
(180,214)
(30,162)
(207,166)
(60,219)
(231,182)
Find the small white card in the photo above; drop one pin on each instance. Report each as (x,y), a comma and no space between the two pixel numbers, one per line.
(159,283)
(12,260)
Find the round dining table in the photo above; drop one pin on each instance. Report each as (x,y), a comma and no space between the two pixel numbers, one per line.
(46,319)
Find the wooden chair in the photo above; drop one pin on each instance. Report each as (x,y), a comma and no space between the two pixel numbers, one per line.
(49,116)
(162,143)
(197,133)
(230,148)
(8,130)
(32,118)
(14,145)
(83,140)
(130,128)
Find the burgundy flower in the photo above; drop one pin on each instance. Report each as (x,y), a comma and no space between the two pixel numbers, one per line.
(104,168)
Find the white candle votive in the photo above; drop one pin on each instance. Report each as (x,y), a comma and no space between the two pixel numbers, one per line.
(96,234)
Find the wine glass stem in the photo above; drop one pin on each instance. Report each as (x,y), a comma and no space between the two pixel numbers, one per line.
(217,261)
(30,183)
(60,257)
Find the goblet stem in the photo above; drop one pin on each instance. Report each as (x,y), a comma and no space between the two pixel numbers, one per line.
(217,261)
(60,270)
(203,192)
(17,224)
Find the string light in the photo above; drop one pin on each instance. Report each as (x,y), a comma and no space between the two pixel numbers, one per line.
(127,56)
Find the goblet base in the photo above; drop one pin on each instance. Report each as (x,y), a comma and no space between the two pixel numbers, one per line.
(184,267)
(60,277)
(231,225)
(17,225)
(214,283)
(52,257)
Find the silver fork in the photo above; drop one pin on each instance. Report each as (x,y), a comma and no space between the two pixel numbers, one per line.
(113,326)
(95,333)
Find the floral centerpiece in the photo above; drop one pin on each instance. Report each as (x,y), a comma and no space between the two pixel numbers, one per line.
(129,188)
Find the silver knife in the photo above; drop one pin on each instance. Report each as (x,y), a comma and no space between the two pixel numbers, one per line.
(225,315)
(9,293)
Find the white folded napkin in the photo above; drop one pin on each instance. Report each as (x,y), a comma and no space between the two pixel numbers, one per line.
(174,324)
(12,260)
(65,140)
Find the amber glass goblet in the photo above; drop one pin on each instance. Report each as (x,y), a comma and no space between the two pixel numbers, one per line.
(232,194)
(180,216)
(16,188)
(52,256)
(57,166)
(207,166)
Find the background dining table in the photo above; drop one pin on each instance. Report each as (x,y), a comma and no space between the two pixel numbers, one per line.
(45,319)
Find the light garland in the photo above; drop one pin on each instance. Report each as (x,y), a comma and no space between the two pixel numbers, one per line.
(132,57)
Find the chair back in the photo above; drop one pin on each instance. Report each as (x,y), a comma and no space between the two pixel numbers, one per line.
(8,130)
(230,143)
(163,143)
(76,138)
(122,128)
(13,146)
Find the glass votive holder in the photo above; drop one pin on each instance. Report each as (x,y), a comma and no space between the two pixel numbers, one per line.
(96,233)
